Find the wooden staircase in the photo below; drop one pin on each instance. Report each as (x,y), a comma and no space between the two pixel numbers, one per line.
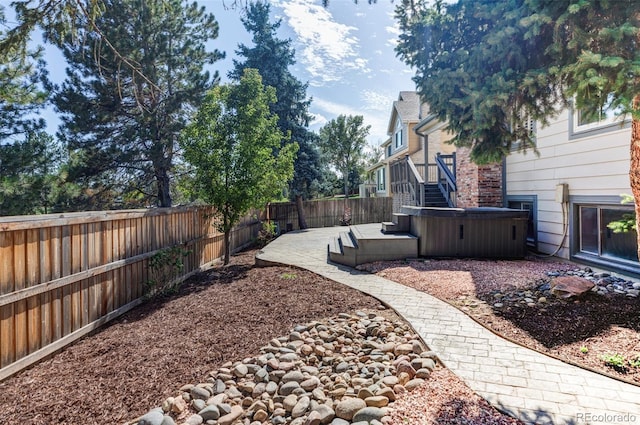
(433,197)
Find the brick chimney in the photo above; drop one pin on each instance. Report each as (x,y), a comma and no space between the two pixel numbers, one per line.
(478,185)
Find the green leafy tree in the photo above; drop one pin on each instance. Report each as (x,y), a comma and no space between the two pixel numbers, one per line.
(342,141)
(487,67)
(121,127)
(272,57)
(235,146)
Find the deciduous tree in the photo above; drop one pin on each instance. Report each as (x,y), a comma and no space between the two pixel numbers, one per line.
(235,146)
(342,141)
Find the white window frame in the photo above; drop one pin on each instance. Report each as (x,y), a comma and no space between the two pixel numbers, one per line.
(381,179)
(398,136)
(608,117)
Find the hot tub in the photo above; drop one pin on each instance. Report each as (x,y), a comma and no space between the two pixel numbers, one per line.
(483,232)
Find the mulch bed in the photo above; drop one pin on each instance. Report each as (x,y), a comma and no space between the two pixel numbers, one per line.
(134,363)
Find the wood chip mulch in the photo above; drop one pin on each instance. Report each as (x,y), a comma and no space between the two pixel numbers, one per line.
(131,365)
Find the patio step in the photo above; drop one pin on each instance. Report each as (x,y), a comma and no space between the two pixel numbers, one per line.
(401,224)
(363,244)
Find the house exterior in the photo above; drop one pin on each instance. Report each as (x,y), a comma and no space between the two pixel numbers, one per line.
(404,144)
(571,186)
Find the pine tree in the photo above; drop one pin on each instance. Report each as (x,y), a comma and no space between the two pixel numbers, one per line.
(122,126)
(272,57)
(21,94)
(486,67)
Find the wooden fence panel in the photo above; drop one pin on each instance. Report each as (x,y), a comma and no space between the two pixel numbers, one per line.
(327,213)
(61,276)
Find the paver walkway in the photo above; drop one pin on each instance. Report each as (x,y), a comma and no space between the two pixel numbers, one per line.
(524,383)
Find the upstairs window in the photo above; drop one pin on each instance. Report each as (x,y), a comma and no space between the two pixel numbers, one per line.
(398,140)
(596,116)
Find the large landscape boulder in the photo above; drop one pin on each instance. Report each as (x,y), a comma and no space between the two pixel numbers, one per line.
(570,286)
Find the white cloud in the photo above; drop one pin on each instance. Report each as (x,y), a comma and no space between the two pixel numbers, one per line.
(317,120)
(327,49)
(392,30)
(376,101)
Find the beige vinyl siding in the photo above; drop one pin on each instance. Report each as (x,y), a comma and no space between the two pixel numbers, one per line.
(592,164)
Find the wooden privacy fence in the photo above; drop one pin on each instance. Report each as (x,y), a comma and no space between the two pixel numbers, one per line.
(62,276)
(327,213)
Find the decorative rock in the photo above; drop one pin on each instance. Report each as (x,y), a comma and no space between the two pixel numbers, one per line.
(198,404)
(390,381)
(348,407)
(570,286)
(210,412)
(327,414)
(199,393)
(236,412)
(179,405)
(240,370)
(289,402)
(314,418)
(154,417)
(260,415)
(387,392)
(288,387)
(168,420)
(377,401)
(301,407)
(364,393)
(310,384)
(194,420)
(368,414)
(405,367)
(293,376)
(413,384)
(403,349)
(423,373)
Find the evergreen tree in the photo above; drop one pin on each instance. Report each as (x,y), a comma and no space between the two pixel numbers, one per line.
(121,126)
(21,94)
(234,144)
(30,178)
(342,141)
(486,67)
(272,57)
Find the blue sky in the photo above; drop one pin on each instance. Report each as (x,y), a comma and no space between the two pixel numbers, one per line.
(345,52)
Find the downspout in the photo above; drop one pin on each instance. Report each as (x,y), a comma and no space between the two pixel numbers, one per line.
(504,182)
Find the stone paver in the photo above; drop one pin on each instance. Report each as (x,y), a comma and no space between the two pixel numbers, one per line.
(528,385)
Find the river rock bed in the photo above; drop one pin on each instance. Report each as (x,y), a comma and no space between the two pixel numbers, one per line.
(604,285)
(345,370)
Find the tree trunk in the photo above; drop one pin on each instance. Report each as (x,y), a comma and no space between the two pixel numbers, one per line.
(164,190)
(346,186)
(634,167)
(227,246)
(302,219)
